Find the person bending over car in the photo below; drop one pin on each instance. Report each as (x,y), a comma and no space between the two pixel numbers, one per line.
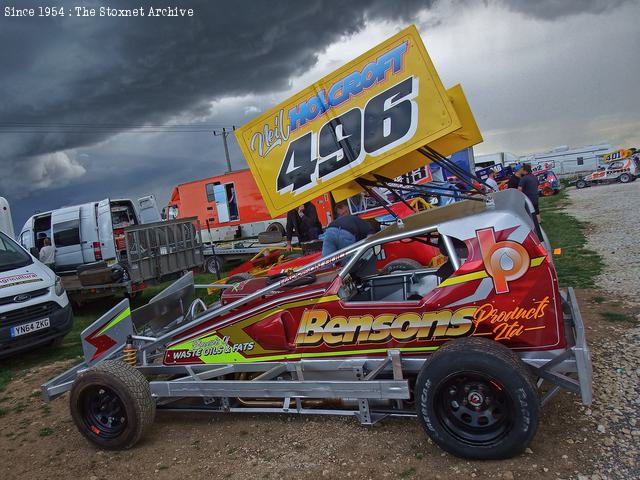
(345,230)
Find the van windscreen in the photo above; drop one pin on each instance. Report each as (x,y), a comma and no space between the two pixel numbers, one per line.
(11,255)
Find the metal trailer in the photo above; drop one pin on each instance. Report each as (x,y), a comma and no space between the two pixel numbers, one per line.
(153,252)
(369,388)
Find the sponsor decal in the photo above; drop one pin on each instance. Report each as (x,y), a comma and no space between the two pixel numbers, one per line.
(505,261)
(317,327)
(213,346)
(19,279)
(506,323)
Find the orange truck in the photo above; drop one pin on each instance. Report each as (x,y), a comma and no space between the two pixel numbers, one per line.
(230,208)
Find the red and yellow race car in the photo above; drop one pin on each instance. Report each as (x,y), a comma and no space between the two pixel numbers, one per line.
(473,348)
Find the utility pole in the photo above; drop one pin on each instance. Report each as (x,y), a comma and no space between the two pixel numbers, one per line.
(224,133)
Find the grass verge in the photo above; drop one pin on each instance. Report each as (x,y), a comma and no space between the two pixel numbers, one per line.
(577,266)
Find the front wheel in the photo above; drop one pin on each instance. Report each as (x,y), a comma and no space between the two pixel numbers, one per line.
(581,184)
(477,400)
(111,405)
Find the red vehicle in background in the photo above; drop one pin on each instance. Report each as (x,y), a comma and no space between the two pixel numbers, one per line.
(548,183)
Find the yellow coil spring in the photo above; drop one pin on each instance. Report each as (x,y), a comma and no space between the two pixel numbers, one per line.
(130,355)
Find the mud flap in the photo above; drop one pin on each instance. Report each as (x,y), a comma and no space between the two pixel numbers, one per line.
(107,334)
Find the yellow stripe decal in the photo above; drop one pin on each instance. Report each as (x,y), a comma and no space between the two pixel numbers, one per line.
(463,278)
(535,262)
(121,316)
(292,356)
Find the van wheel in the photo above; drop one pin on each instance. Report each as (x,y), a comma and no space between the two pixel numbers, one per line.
(624,178)
(476,399)
(111,405)
(581,184)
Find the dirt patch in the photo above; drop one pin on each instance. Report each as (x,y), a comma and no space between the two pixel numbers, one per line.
(40,441)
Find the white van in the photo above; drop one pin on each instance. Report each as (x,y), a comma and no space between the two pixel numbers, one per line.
(89,232)
(34,307)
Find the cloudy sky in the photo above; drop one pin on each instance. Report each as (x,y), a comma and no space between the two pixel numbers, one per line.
(122,107)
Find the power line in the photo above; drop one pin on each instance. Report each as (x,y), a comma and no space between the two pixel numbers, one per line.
(109,125)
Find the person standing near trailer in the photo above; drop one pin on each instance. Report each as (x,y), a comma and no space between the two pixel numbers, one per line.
(303,222)
(47,253)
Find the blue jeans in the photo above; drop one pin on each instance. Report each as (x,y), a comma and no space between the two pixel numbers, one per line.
(334,239)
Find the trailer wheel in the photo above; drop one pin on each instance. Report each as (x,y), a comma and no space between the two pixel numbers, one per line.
(624,178)
(581,184)
(476,399)
(401,265)
(111,405)
(212,262)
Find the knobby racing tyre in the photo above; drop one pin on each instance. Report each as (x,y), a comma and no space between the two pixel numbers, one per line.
(111,405)
(581,184)
(624,178)
(401,264)
(476,399)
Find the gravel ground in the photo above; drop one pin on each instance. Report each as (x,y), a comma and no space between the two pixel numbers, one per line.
(613,214)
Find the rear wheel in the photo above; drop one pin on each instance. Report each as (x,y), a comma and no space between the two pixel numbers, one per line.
(476,399)
(111,405)
(581,184)
(624,178)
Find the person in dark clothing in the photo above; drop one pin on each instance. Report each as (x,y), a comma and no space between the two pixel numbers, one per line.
(529,186)
(514,180)
(345,230)
(303,222)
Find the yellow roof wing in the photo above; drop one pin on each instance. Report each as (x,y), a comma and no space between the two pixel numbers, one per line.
(368,116)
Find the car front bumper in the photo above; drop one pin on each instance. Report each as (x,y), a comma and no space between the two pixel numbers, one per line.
(61,322)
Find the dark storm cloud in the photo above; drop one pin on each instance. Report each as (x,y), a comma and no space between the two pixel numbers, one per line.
(122,71)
